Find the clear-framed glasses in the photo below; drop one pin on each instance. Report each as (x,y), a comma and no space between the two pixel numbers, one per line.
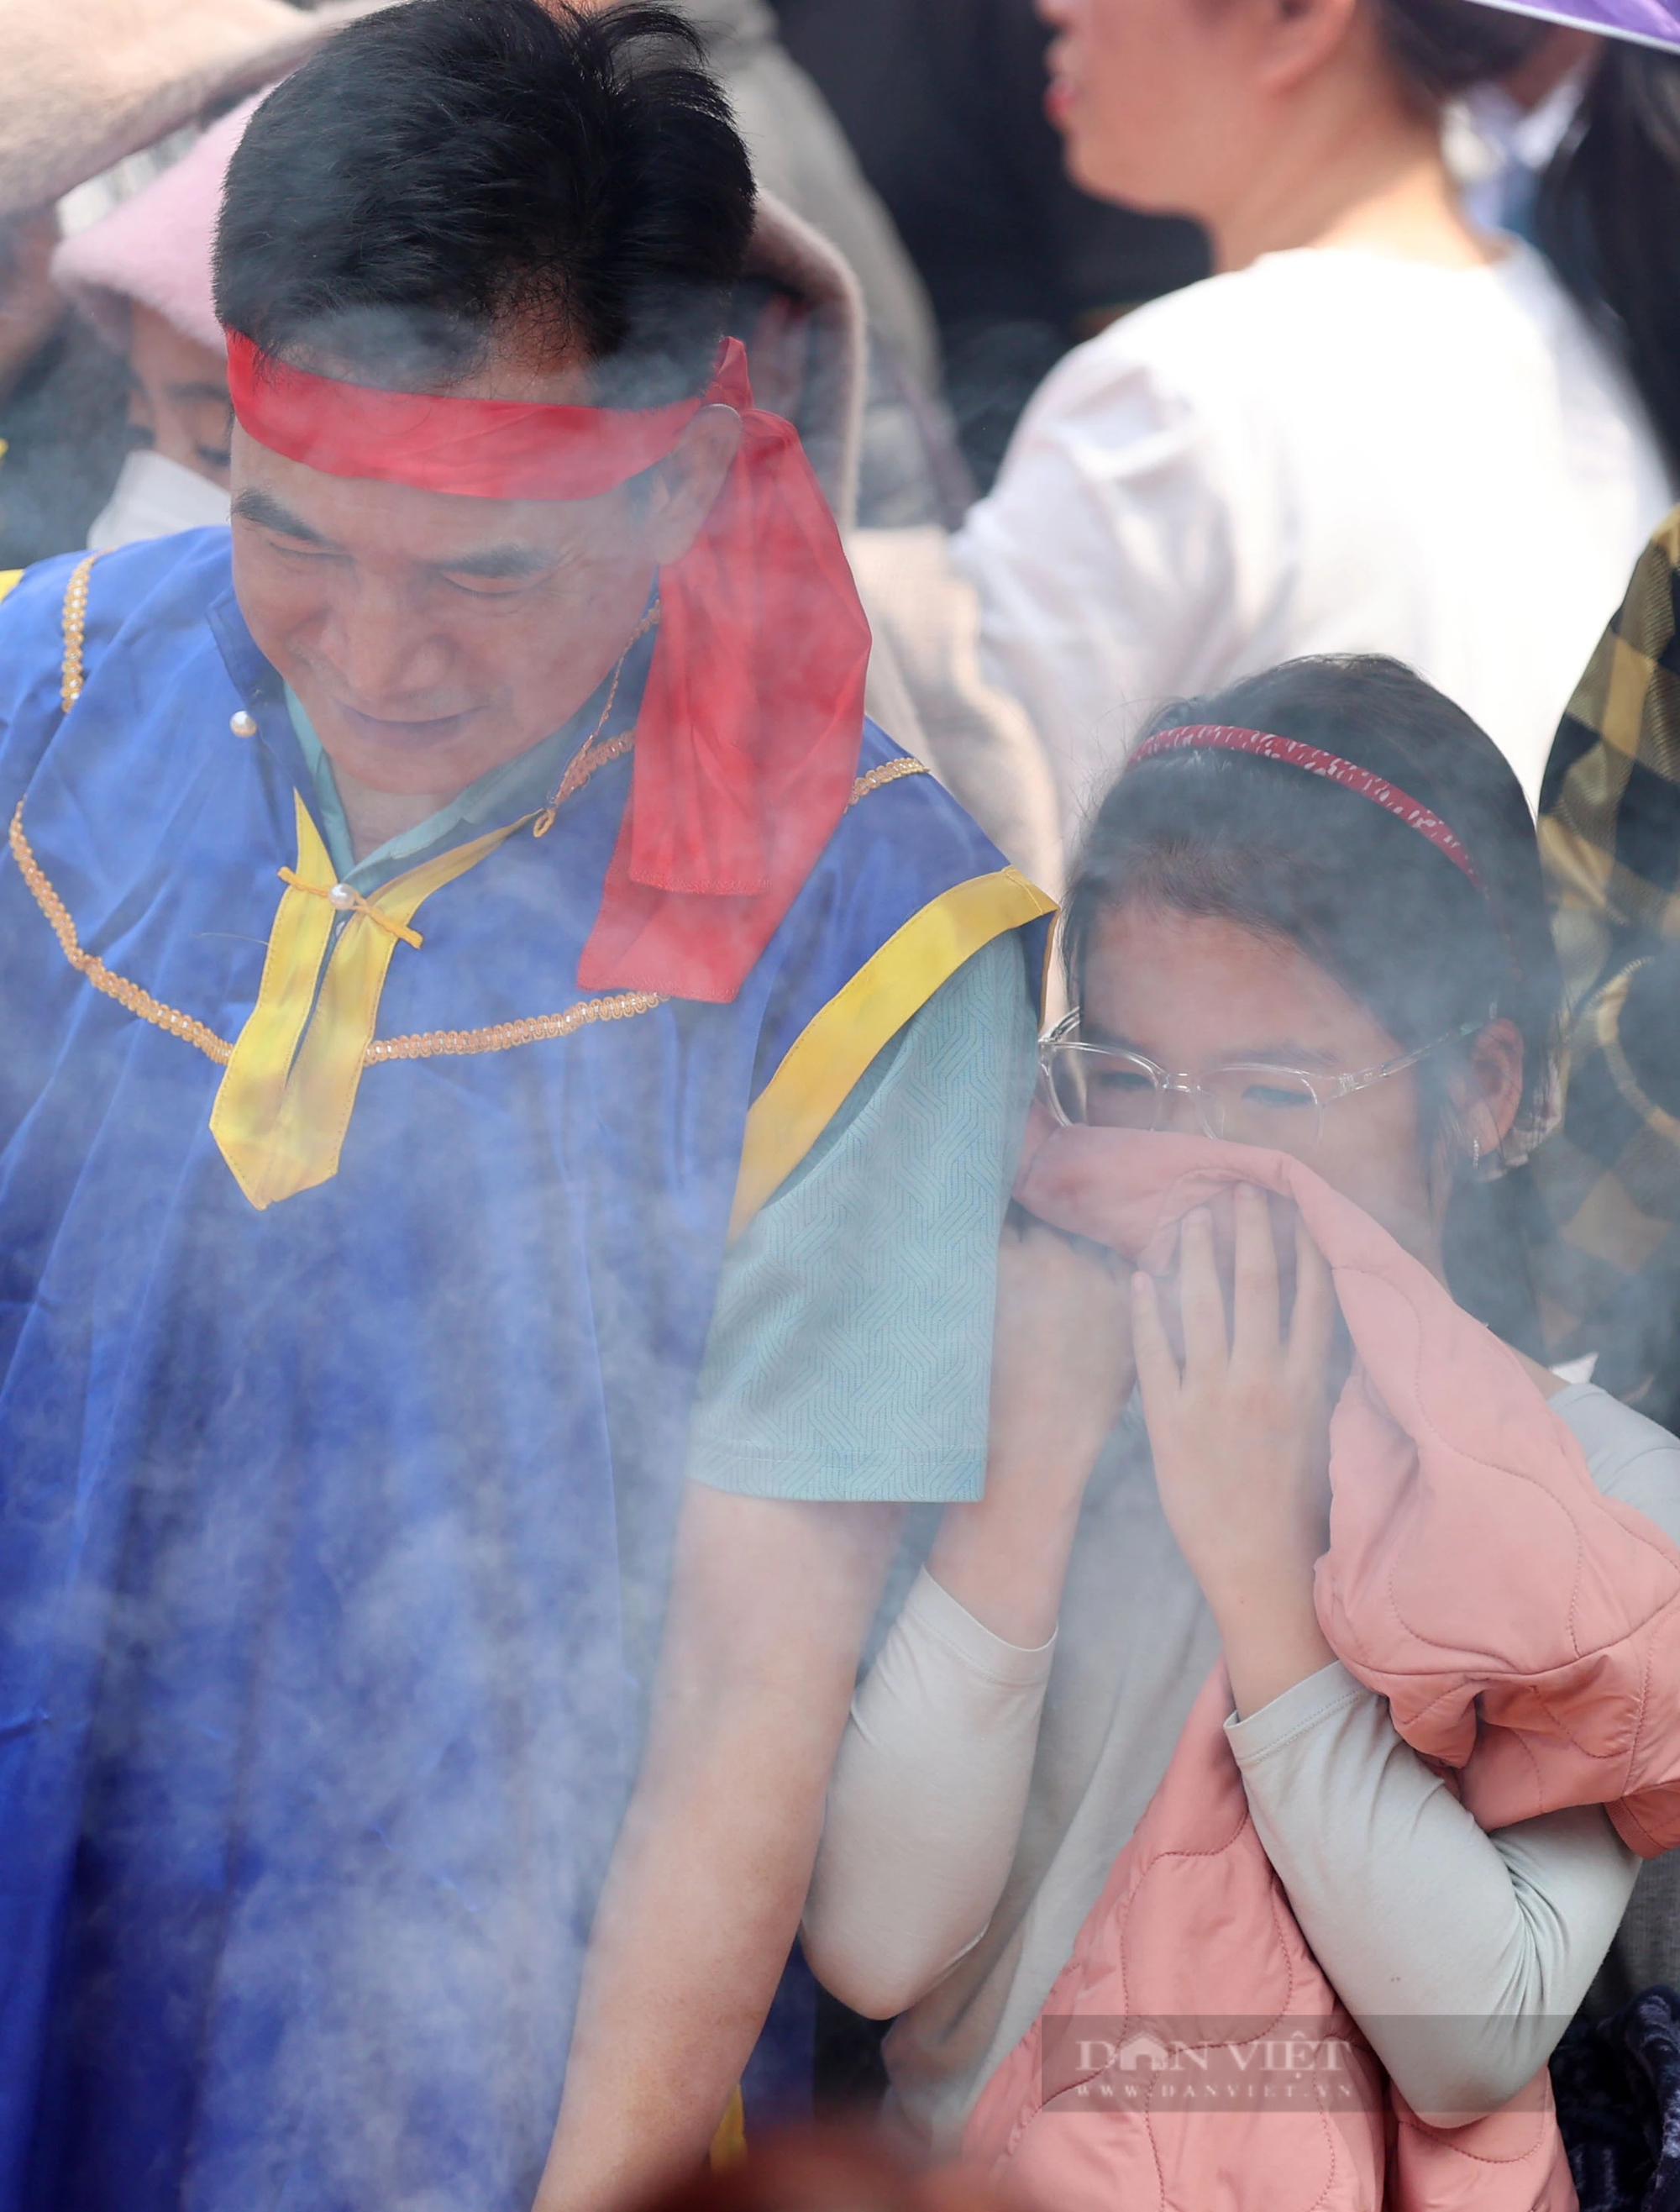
(1246,1102)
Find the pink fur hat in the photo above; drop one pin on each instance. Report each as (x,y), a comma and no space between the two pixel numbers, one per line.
(155,247)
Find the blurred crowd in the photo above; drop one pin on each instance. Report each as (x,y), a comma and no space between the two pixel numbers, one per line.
(1138,349)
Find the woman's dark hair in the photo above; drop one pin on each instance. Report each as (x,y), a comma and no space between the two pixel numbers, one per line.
(1441,47)
(1364,895)
(1609,218)
(449,173)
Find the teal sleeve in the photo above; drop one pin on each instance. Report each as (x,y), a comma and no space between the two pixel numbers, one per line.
(851,1344)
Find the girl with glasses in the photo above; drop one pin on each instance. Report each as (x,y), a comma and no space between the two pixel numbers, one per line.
(1308,917)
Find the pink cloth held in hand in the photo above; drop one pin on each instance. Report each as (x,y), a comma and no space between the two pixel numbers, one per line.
(1525,1631)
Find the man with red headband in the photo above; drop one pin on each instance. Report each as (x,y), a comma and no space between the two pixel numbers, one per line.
(508,1101)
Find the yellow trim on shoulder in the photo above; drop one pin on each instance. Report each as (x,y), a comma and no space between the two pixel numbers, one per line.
(837,1043)
(9,578)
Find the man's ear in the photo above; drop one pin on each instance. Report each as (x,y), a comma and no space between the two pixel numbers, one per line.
(1297,37)
(1488,1088)
(682,486)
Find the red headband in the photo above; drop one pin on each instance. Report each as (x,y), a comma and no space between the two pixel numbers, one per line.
(481,449)
(1198,737)
(746,745)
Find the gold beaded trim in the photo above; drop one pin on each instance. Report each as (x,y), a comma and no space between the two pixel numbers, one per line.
(589,756)
(75,626)
(888,772)
(426,1045)
(502,1036)
(89,964)
(583,765)
(423,1044)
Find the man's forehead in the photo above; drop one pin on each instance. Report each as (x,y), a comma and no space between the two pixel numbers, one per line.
(365,516)
(513,367)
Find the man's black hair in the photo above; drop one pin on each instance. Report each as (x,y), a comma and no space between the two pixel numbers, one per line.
(451,175)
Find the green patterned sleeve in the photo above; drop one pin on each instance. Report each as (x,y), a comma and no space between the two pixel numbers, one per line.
(851,1344)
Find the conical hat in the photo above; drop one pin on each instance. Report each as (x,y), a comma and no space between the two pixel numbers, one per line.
(87,82)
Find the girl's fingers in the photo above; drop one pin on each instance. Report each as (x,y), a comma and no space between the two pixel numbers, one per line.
(1201,1300)
(1254,1328)
(1158,1369)
(1315,1316)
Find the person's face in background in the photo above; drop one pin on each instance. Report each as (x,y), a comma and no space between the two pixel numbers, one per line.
(1229,111)
(1153,98)
(178,400)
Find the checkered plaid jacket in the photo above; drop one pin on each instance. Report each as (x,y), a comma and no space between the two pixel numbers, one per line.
(1607,1274)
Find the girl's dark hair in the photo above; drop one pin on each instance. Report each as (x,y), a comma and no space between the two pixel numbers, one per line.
(1609,218)
(1363,894)
(1441,47)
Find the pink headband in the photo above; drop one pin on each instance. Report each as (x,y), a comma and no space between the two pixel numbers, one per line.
(1200,737)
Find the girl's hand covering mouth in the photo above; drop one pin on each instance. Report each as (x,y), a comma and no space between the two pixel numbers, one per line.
(1240,1433)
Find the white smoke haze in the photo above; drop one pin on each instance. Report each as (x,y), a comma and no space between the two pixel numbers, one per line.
(339,1590)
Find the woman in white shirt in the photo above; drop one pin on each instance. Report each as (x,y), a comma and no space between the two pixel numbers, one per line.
(1231,909)
(1376,430)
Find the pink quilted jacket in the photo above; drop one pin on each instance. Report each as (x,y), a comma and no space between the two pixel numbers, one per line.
(1526,1631)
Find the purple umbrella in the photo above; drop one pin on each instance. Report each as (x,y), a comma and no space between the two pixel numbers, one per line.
(1648,22)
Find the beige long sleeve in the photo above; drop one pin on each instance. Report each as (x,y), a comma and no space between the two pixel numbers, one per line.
(925,1805)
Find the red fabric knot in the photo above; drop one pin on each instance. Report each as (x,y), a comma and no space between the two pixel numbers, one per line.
(746,745)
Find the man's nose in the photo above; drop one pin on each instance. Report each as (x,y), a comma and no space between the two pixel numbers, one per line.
(384,651)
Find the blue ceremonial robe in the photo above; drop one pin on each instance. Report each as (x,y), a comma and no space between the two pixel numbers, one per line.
(333,1528)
